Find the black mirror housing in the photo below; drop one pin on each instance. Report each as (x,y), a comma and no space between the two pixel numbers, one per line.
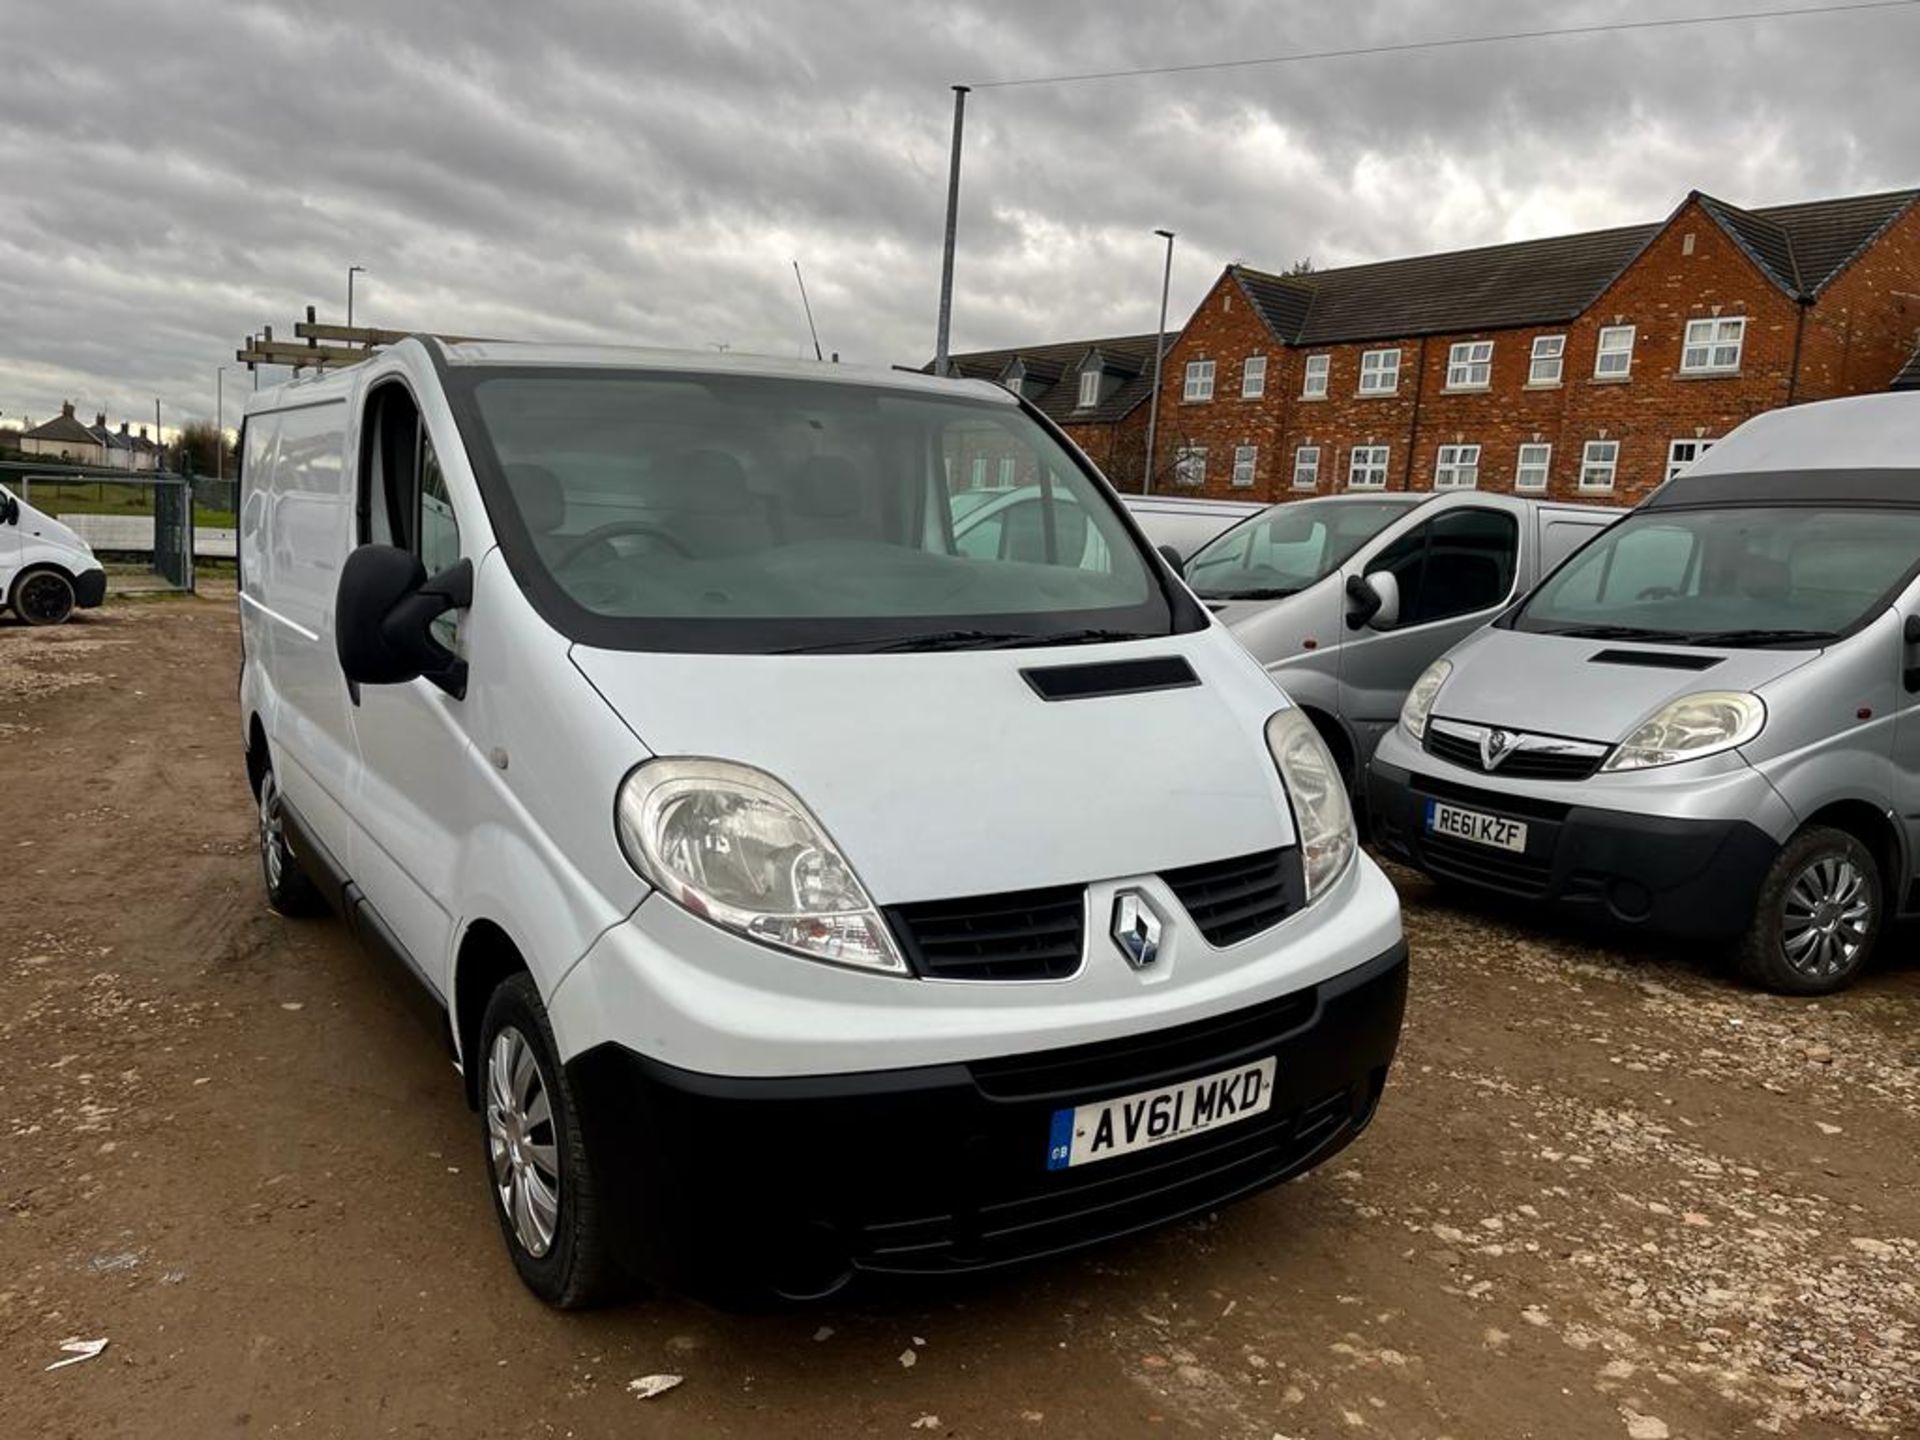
(1363,602)
(1173,558)
(383,617)
(9,511)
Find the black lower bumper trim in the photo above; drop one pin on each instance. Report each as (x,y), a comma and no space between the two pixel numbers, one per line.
(1696,879)
(90,589)
(750,1189)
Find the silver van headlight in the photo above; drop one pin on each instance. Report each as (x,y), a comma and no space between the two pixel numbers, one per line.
(736,847)
(1418,705)
(1321,812)
(1690,728)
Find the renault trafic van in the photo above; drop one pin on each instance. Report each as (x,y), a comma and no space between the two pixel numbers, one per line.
(1345,599)
(807,894)
(46,571)
(1707,723)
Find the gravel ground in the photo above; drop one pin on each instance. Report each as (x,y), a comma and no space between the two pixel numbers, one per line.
(1609,1193)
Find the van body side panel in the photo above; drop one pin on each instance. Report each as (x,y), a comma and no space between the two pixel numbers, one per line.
(1904,799)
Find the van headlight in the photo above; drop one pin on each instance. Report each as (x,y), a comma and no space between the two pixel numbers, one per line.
(1320,810)
(1418,705)
(736,847)
(1691,727)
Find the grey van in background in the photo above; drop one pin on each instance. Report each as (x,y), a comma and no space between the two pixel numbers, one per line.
(1347,598)
(1186,522)
(1706,724)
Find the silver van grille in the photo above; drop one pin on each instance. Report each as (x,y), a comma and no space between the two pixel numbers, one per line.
(1490,750)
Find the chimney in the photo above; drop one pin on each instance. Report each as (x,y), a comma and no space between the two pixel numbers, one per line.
(123,427)
(100,420)
(143,432)
(66,408)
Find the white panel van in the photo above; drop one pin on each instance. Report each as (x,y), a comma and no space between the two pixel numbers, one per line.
(46,571)
(808,894)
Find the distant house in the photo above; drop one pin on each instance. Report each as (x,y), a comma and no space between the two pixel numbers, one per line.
(65,438)
(124,451)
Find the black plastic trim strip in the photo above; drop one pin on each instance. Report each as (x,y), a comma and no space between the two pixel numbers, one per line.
(1103,678)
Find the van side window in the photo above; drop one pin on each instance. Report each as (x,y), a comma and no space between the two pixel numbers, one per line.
(1455,564)
(403,493)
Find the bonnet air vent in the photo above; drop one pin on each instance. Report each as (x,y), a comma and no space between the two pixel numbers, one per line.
(1111,677)
(1656,659)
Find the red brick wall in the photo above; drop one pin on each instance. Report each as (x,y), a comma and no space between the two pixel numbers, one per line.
(1857,336)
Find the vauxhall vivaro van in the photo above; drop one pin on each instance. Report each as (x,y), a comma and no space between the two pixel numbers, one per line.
(46,571)
(1707,723)
(1347,598)
(807,893)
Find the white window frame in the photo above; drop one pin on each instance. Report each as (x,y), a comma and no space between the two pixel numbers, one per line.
(1190,466)
(1601,350)
(1470,365)
(1590,465)
(1699,447)
(978,472)
(1089,390)
(1548,351)
(1542,463)
(1380,372)
(1370,461)
(1314,377)
(1306,467)
(1246,459)
(1253,377)
(1717,350)
(1457,467)
(1005,472)
(1198,383)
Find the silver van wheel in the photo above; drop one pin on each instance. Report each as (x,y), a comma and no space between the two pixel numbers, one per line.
(1829,910)
(273,833)
(521,1141)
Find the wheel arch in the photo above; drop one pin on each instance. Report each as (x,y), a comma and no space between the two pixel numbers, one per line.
(487,956)
(1874,828)
(258,756)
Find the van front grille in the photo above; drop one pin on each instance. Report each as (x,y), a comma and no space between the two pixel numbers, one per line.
(1231,900)
(1021,935)
(1464,751)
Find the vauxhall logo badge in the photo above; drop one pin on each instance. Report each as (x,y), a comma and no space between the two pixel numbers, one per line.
(1136,929)
(1495,746)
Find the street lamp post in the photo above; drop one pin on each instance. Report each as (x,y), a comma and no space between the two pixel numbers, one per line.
(219,423)
(1159,346)
(352,270)
(940,362)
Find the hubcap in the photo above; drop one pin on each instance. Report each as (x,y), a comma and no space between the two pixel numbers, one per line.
(273,837)
(521,1141)
(43,597)
(1829,913)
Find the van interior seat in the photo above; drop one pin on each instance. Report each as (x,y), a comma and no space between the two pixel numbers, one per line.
(827,500)
(542,501)
(702,496)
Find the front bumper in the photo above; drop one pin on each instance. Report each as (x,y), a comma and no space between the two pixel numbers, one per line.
(1694,878)
(770,1187)
(90,588)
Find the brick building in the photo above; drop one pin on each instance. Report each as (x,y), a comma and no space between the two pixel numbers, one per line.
(1095,390)
(1580,366)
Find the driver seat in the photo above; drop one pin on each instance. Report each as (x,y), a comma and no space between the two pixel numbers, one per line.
(542,502)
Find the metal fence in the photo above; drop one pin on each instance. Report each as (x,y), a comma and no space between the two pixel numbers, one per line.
(129,519)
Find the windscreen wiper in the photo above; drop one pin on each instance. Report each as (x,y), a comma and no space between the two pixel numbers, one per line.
(1272,593)
(1070,637)
(930,640)
(1763,637)
(1624,632)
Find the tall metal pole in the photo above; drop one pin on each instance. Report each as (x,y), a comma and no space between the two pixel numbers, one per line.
(219,423)
(940,366)
(1159,346)
(352,270)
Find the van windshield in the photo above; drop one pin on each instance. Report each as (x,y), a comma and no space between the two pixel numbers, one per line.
(1285,549)
(743,513)
(1753,575)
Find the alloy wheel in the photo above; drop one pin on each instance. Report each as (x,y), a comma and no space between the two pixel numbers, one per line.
(521,1141)
(1828,917)
(273,834)
(44,598)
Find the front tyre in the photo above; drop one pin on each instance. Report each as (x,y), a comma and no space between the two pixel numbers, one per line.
(42,597)
(1819,915)
(289,890)
(538,1170)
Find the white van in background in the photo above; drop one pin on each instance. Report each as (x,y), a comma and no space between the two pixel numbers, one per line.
(1186,522)
(46,571)
(807,894)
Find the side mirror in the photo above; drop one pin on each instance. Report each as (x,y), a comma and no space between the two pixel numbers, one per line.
(9,511)
(1173,558)
(1373,600)
(383,619)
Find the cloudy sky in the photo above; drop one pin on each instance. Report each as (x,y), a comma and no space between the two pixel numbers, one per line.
(174,174)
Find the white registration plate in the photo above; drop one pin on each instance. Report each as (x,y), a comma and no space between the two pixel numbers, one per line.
(1086,1133)
(1477,828)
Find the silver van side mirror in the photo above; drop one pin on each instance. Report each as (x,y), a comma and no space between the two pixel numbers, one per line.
(1373,600)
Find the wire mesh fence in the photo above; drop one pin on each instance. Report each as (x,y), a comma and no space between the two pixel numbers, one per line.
(138,525)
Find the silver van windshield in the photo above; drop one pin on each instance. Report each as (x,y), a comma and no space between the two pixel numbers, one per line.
(677,500)
(1754,575)
(1285,549)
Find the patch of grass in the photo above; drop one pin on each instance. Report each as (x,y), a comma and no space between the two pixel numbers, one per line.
(104,497)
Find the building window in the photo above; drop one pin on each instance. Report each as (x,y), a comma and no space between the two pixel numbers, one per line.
(1682,453)
(1531,473)
(1613,360)
(1597,464)
(1253,377)
(1089,389)
(1458,468)
(1379,372)
(1199,380)
(1470,365)
(1190,465)
(1306,468)
(1006,473)
(1549,354)
(1713,346)
(1367,468)
(1244,459)
(1314,386)
(979,471)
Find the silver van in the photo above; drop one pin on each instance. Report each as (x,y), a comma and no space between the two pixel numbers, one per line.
(1707,723)
(1346,599)
(1183,523)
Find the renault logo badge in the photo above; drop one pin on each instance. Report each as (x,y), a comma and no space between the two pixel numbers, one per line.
(1136,929)
(1494,746)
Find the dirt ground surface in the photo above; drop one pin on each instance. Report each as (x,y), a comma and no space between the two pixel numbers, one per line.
(1610,1193)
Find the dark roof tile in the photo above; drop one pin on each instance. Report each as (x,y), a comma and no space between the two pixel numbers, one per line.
(1129,357)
